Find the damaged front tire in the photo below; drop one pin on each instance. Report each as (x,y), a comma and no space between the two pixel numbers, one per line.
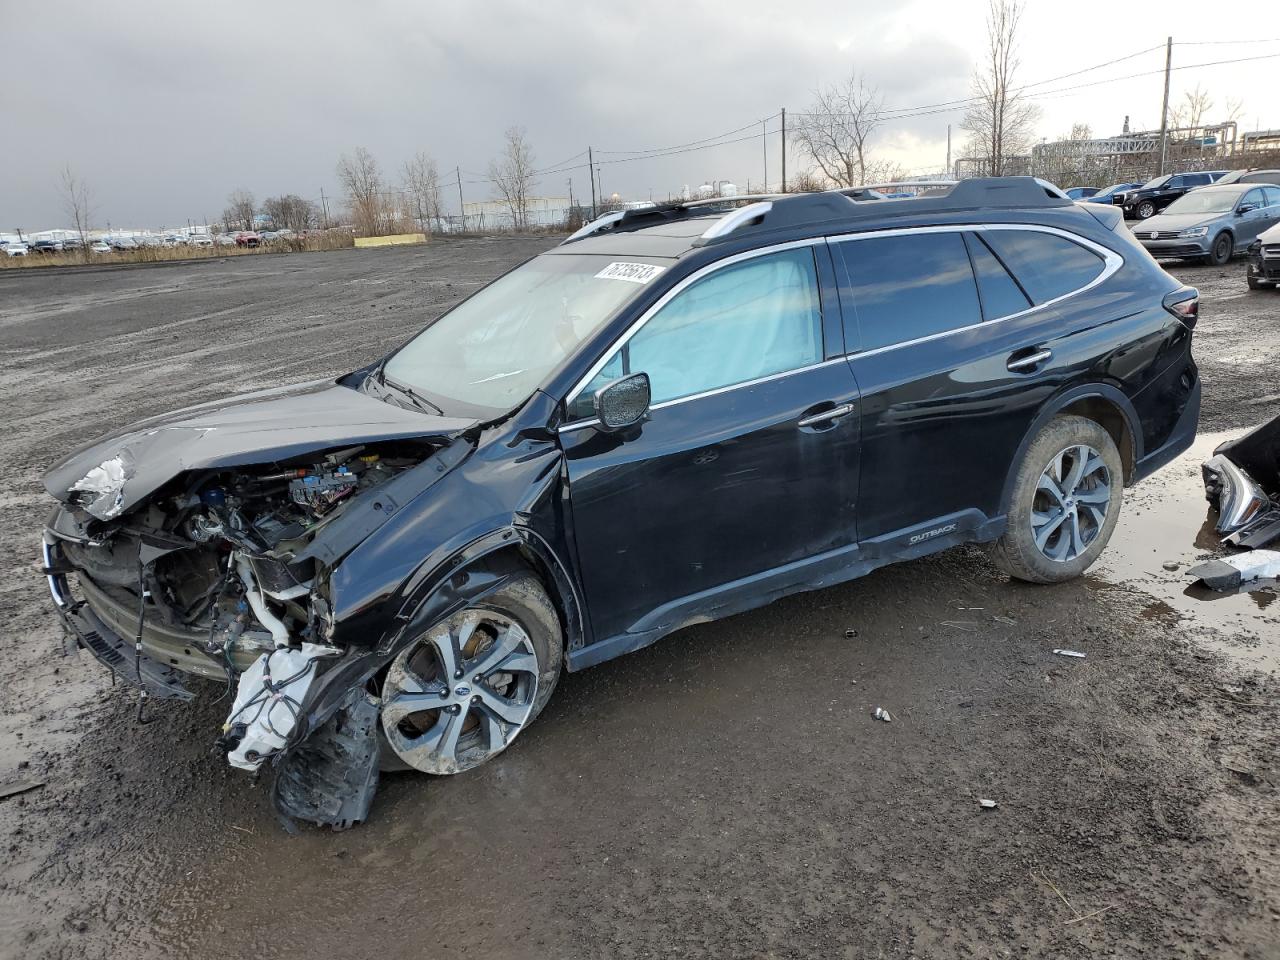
(460,693)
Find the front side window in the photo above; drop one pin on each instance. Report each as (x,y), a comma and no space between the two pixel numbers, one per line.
(1254,199)
(1046,266)
(910,286)
(493,350)
(740,323)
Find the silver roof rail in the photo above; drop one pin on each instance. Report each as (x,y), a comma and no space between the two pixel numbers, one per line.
(716,201)
(889,184)
(595,226)
(734,219)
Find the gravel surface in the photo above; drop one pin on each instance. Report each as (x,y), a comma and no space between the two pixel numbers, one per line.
(726,792)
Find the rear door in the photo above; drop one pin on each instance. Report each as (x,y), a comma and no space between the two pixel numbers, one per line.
(955,343)
(1250,223)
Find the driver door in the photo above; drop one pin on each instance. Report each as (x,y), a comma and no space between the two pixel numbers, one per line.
(745,470)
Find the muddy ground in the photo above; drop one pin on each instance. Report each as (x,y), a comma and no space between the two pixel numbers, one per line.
(723,793)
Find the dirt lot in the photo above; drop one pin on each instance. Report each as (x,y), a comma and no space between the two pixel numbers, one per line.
(724,793)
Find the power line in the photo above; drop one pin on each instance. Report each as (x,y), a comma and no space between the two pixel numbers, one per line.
(691,143)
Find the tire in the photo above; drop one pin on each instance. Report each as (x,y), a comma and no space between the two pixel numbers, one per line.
(1086,525)
(1256,284)
(457,696)
(1145,210)
(1223,247)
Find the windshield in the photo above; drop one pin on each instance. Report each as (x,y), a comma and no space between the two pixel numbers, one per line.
(1204,201)
(1157,182)
(493,349)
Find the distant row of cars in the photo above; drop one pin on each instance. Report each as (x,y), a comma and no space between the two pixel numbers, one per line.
(241,238)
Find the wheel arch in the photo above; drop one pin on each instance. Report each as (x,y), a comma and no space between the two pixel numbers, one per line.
(1102,403)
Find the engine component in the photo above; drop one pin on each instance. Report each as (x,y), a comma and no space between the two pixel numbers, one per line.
(267,702)
(279,632)
(321,492)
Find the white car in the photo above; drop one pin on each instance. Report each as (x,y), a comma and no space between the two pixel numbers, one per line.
(14,248)
(200,240)
(100,246)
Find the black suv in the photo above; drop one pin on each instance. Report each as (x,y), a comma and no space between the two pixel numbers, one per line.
(677,414)
(1155,195)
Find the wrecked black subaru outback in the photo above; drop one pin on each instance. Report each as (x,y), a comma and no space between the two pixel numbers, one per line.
(678,414)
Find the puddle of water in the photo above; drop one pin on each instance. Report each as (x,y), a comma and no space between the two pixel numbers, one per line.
(1166,520)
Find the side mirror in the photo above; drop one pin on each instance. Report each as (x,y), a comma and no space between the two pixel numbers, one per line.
(622,403)
(1245,208)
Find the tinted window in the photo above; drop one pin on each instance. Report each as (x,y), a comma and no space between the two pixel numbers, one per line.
(740,323)
(1253,197)
(910,286)
(1047,266)
(1272,194)
(1198,179)
(1175,182)
(1000,294)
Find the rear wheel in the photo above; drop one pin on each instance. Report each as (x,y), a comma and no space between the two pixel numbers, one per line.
(460,693)
(1221,250)
(1065,502)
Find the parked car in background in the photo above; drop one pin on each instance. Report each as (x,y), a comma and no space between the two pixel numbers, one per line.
(14,248)
(1112,194)
(200,240)
(72,243)
(1080,193)
(1254,175)
(224,240)
(1211,223)
(1264,260)
(248,238)
(47,246)
(148,241)
(173,240)
(100,246)
(1154,195)
(123,243)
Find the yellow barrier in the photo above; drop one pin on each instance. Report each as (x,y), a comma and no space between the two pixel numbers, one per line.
(393,240)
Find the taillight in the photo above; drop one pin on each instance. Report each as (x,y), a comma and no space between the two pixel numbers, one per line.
(1184,304)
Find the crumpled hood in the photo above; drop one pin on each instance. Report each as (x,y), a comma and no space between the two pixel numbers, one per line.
(1168,222)
(261,427)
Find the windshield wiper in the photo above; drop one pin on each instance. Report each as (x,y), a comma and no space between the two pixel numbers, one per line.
(417,399)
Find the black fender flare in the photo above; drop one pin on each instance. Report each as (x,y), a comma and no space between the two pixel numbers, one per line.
(1059,402)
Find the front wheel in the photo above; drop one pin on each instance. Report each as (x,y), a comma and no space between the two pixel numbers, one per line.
(1146,209)
(1220,252)
(1256,284)
(462,691)
(1064,504)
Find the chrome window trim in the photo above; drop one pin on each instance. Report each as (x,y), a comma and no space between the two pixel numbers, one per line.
(666,298)
(1112,262)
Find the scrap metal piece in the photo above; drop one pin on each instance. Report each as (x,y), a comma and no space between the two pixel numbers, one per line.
(1226,573)
(330,778)
(1259,533)
(1070,653)
(882,714)
(987,804)
(1237,496)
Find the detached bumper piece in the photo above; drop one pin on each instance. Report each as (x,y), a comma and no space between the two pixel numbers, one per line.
(331,777)
(1228,573)
(1242,479)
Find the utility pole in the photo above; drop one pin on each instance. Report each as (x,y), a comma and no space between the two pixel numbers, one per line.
(324,209)
(764,150)
(784,149)
(1164,109)
(948,176)
(462,211)
(591,175)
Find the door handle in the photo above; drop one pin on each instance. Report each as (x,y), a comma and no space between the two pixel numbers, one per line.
(1026,362)
(827,416)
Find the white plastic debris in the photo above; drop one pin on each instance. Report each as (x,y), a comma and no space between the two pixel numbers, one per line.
(267,703)
(1225,573)
(986,804)
(882,714)
(1069,653)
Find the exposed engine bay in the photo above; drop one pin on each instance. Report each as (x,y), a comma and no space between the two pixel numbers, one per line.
(212,576)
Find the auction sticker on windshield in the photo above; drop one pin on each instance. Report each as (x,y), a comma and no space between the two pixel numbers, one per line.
(634,272)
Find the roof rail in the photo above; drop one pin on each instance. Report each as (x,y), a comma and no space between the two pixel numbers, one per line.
(660,212)
(734,219)
(595,226)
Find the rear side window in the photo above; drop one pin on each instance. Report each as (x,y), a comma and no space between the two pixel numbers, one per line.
(1046,265)
(1000,293)
(1272,194)
(910,286)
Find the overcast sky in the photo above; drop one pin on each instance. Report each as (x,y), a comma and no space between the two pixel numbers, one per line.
(166,107)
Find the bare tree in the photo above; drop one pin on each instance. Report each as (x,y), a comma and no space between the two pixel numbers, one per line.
(361,178)
(512,175)
(808,181)
(422,188)
(78,203)
(1000,122)
(1193,111)
(884,171)
(837,129)
(290,212)
(240,211)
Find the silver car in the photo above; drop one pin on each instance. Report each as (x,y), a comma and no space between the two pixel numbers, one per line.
(1211,223)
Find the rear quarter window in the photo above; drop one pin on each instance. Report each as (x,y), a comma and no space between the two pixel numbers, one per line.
(1046,265)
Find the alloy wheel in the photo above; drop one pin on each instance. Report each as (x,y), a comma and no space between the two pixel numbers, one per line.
(461,693)
(1070,504)
(1146,209)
